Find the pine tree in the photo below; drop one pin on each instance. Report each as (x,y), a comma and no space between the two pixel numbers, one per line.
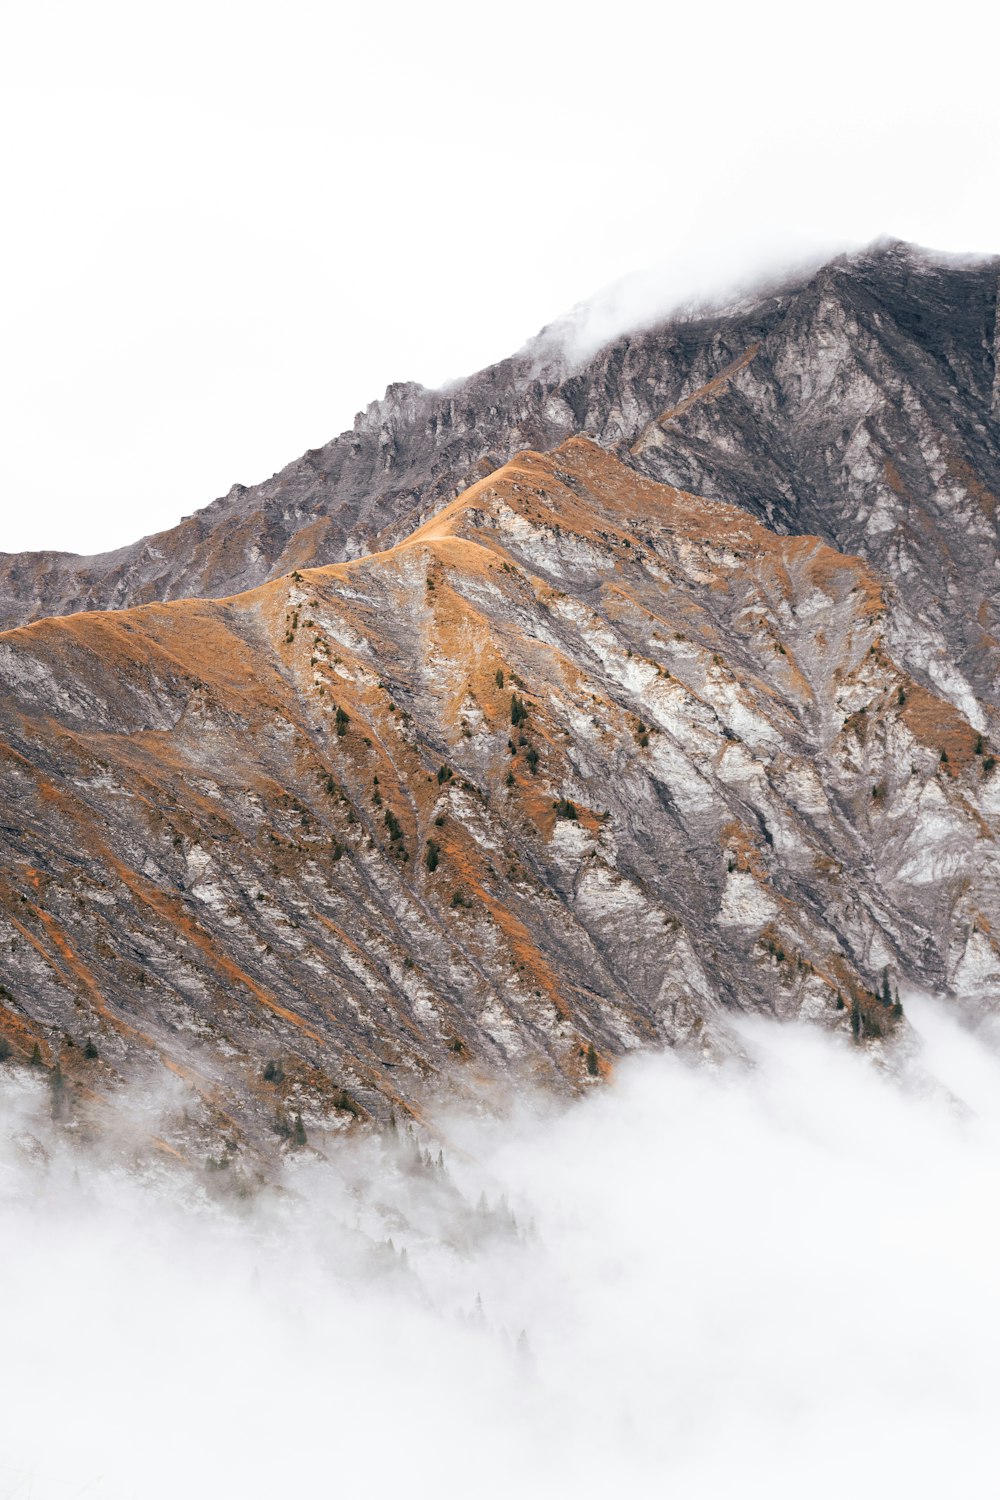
(592,1065)
(298,1132)
(886,991)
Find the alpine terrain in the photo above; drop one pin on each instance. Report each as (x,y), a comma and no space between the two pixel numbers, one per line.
(567,711)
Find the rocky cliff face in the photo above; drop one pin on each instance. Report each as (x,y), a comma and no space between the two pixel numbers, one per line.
(858,404)
(581,764)
(511,748)
(868,415)
(406,455)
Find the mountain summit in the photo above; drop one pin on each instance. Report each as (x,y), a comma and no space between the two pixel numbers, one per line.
(563,713)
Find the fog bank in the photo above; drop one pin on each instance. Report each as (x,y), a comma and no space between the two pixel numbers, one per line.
(767,1280)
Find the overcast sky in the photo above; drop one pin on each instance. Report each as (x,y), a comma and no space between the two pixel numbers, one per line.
(228,227)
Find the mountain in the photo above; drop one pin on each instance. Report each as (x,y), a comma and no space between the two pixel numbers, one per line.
(860,403)
(406,455)
(571,710)
(583,763)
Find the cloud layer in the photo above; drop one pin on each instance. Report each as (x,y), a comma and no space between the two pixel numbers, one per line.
(774,1279)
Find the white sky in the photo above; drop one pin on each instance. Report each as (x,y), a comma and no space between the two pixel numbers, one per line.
(226,227)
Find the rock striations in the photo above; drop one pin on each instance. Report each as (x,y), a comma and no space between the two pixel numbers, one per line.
(689,716)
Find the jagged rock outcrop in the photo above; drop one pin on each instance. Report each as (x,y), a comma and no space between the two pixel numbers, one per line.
(866,416)
(406,455)
(858,404)
(584,763)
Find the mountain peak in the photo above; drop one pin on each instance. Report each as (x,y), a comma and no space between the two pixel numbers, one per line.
(541,718)
(393,816)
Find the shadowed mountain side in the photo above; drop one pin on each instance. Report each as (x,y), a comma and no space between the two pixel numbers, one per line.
(580,766)
(860,403)
(406,455)
(870,414)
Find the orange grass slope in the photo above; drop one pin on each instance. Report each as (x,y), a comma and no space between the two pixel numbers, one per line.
(575,768)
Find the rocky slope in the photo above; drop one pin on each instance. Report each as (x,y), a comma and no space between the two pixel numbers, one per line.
(406,455)
(581,764)
(860,404)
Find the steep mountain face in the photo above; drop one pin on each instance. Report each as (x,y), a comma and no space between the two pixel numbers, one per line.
(860,404)
(869,414)
(498,763)
(406,455)
(581,764)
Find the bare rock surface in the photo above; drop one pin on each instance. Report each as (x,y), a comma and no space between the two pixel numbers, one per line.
(583,763)
(858,404)
(567,711)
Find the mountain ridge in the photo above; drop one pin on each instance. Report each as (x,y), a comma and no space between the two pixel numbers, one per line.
(871,398)
(64,581)
(583,764)
(685,708)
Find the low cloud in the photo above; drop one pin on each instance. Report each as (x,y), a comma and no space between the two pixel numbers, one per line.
(767,1279)
(691,283)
